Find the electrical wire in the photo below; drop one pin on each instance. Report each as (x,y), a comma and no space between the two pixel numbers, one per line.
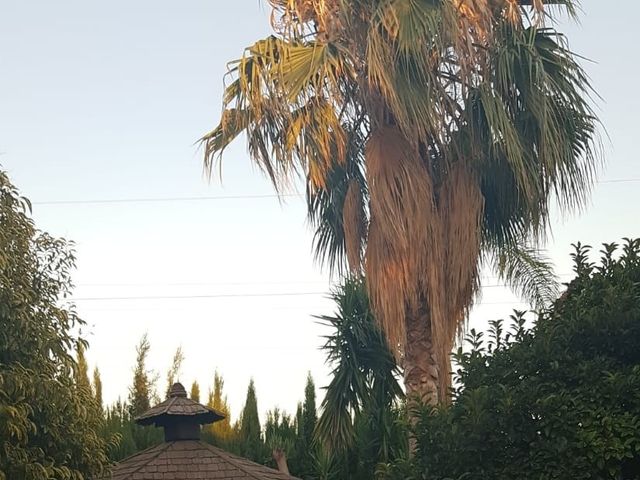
(181,297)
(217,197)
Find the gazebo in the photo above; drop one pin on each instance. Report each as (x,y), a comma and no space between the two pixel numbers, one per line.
(183,456)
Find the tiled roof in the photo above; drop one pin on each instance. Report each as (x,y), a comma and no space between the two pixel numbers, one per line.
(178,405)
(191,460)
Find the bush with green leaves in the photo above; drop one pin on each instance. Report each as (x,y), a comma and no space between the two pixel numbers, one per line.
(559,400)
(48,427)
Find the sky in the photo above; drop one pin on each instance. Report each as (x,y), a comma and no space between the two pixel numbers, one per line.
(105,101)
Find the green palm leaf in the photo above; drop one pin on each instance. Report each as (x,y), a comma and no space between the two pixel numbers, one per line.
(364,375)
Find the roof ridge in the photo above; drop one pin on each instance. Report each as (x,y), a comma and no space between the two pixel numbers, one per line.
(164,446)
(229,457)
(172,400)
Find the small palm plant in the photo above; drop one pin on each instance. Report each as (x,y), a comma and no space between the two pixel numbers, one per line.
(361,406)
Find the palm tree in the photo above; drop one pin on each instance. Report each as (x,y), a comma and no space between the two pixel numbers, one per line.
(433,135)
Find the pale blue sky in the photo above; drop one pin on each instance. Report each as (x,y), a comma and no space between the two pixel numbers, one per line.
(104,100)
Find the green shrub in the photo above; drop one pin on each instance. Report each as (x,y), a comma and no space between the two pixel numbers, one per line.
(558,401)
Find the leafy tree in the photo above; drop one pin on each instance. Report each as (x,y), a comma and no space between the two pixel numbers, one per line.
(46,430)
(141,391)
(141,396)
(433,135)
(97,388)
(280,438)
(252,446)
(81,372)
(119,425)
(220,433)
(559,400)
(195,391)
(85,391)
(173,375)
(120,417)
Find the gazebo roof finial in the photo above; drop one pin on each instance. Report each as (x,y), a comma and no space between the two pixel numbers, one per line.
(177,390)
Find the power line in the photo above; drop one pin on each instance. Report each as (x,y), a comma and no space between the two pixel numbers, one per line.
(196,284)
(476,304)
(165,199)
(620,180)
(128,285)
(107,201)
(230,284)
(227,295)
(231,295)
(181,297)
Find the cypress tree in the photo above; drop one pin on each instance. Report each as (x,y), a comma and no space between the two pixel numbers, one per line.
(220,433)
(306,418)
(140,390)
(309,413)
(81,371)
(195,391)
(250,433)
(141,395)
(97,388)
(173,375)
(118,424)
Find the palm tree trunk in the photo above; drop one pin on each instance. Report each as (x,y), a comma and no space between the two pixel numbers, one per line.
(421,375)
(281,460)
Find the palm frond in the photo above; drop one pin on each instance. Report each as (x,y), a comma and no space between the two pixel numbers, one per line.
(232,124)
(326,204)
(406,42)
(551,147)
(528,272)
(284,96)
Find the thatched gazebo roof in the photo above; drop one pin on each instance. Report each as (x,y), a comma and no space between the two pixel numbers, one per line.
(178,406)
(183,455)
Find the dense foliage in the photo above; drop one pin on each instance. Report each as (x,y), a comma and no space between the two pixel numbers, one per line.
(559,400)
(48,427)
